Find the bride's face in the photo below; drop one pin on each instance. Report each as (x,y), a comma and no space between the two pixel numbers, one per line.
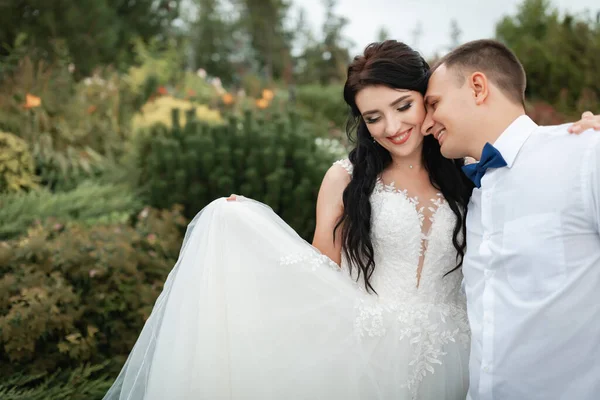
(393,117)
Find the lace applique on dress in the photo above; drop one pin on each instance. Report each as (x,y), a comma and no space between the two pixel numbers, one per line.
(346,164)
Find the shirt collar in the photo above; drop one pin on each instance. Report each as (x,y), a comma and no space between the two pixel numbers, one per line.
(512,139)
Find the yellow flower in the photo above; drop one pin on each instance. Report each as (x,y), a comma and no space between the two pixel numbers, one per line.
(268,94)
(262,103)
(227,99)
(159,111)
(32,101)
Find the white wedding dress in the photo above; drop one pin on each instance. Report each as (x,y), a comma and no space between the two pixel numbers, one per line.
(252,311)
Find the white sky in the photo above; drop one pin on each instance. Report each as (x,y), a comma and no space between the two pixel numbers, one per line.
(476,18)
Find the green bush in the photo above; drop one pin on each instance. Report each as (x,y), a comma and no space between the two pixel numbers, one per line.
(324,103)
(278,160)
(73,128)
(89,203)
(81,383)
(76,294)
(17,169)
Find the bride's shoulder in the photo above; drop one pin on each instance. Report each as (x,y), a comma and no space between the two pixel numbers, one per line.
(340,173)
(345,164)
(337,177)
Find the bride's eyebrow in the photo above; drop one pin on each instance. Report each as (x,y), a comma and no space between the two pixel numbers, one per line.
(392,104)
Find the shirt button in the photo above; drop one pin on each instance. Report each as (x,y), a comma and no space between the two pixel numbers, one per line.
(487,273)
(486,369)
(486,236)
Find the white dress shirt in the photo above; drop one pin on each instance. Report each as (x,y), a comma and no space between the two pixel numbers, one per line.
(532,268)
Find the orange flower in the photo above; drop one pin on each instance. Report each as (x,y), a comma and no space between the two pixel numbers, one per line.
(227,99)
(191,93)
(32,101)
(268,94)
(262,103)
(91,109)
(162,90)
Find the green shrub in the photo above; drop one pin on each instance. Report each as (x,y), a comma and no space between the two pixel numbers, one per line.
(81,383)
(89,203)
(323,103)
(278,160)
(73,128)
(75,294)
(17,169)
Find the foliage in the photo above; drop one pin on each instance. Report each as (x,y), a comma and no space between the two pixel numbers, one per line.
(324,103)
(93,32)
(195,88)
(73,128)
(275,159)
(156,69)
(90,203)
(82,383)
(160,109)
(17,170)
(326,60)
(545,114)
(213,40)
(559,52)
(76,294)
(264,21)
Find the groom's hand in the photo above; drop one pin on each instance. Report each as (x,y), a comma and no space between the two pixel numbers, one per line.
(587,121)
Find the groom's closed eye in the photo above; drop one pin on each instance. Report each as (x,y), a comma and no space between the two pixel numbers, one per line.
(431,104)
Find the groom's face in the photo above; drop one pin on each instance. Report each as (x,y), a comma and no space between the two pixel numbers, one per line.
(448,103)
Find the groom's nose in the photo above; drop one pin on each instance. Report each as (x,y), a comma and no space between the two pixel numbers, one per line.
(427,125)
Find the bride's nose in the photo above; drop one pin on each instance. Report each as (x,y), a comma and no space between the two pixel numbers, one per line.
(392,126)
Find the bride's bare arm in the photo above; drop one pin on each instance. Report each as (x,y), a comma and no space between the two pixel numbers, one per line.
(329,210)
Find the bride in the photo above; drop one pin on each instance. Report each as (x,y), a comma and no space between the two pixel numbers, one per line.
(372,310)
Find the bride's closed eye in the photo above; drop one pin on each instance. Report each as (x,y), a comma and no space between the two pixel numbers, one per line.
(373,120)
(405,107)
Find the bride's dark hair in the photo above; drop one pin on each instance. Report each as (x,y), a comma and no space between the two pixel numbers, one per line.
(397,66)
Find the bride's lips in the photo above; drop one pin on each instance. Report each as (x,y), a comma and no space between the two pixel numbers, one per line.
(401,138)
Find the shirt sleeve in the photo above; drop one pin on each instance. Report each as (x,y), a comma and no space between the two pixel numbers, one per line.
(591,179)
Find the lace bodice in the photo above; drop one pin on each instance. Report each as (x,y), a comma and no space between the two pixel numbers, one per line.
(407,242)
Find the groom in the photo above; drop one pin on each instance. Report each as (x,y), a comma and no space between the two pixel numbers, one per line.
(532,267)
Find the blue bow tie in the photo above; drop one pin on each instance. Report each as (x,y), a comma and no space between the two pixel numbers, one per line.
(490,158)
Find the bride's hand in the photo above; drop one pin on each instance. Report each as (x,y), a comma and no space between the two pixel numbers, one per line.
(235,197)
(587,121)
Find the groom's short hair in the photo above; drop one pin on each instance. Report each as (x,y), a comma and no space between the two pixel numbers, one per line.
(492,58)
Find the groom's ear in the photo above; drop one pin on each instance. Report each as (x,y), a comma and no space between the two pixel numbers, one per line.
(479,85)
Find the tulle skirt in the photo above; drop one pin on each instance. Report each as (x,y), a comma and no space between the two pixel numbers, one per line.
(252,311)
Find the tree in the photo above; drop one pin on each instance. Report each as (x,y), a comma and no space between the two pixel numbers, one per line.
(264,22)
(335,56)
(455,34)
(417,33)
(94,32)
(560,54)
(383,34)
(324,60)
(213,40)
